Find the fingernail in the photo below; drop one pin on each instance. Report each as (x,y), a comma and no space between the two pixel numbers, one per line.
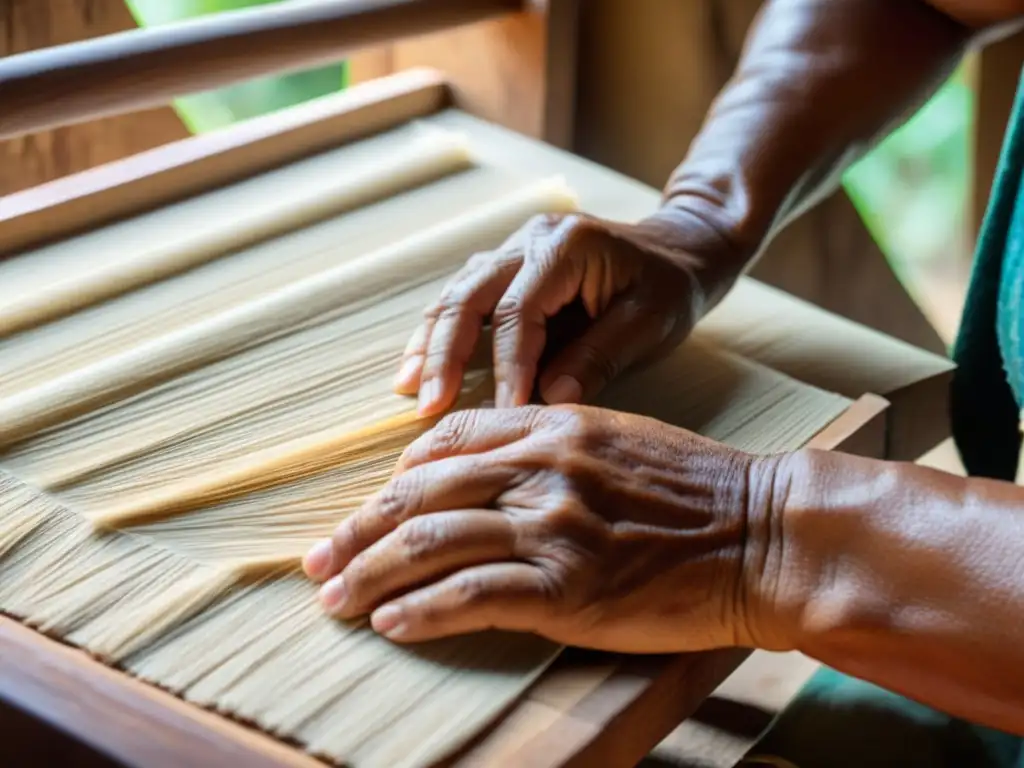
(333,594)
(387,621)
(564,389)
(405,379)
(318,560)
(430,391)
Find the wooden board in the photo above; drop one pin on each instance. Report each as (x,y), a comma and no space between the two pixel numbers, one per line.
(587,707)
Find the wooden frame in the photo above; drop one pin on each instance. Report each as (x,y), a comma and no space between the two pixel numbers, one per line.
(511,62)
(589,709)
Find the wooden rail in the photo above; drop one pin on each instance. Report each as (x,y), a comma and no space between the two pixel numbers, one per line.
(145,68)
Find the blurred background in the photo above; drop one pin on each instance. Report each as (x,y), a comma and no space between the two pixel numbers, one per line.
(911,190)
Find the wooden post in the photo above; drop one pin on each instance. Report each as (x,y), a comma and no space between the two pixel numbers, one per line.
(30,160)
(518,72)
(648,72)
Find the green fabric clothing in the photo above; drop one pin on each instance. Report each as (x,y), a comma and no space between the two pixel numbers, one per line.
(986,395)
(841,722)
(837,721)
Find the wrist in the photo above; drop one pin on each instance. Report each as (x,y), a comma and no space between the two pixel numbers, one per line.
(699,231)
(787,559)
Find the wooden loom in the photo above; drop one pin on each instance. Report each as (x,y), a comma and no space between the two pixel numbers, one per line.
(787,374)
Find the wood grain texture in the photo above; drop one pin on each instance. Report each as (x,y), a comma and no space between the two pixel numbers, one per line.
(648,72)
(518,72)
(27,25)
(150,179)
(146,68)
(123,719)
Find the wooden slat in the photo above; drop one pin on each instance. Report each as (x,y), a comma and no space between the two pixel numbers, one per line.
(128,720)
(150,67)
(26,161)
(172,172)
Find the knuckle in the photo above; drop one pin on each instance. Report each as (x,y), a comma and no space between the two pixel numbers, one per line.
(449,435)
(421,537)
(576,425)
(562,522)
(471,590)
(509,308)
(455,300)
(550,585)
(398,498)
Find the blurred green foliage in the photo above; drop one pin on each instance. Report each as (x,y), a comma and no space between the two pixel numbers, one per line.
(910,190)
(214,109)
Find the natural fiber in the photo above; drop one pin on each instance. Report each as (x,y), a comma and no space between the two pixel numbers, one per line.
(177,436)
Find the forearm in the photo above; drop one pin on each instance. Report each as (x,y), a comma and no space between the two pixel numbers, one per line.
(909,578)
(818,82)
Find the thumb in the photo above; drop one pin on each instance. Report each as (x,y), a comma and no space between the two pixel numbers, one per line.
(628,331)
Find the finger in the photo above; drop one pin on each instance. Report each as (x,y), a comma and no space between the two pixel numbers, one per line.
(460,316)
(625,333)
(420,550)
(546,283)
(507,596)
(407,381)
(470,432)
(462,482)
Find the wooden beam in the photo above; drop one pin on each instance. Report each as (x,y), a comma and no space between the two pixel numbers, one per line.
(26,161)
(147,68)
(150,179)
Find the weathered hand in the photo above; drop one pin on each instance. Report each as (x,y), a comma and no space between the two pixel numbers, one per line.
(638,285)
(590,527)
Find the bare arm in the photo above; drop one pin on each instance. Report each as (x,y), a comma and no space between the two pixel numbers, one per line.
(903,576)
(818,83)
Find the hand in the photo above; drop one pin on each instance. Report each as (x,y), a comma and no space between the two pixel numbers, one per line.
(639,286)
(590,527)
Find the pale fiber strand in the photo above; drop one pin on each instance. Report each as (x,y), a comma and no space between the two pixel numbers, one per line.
(346,286)
(320,195)
(241,647)
(43,352)
(192,602)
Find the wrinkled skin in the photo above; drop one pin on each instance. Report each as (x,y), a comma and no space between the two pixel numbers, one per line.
(604,530)
(600,530)
(640,292)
